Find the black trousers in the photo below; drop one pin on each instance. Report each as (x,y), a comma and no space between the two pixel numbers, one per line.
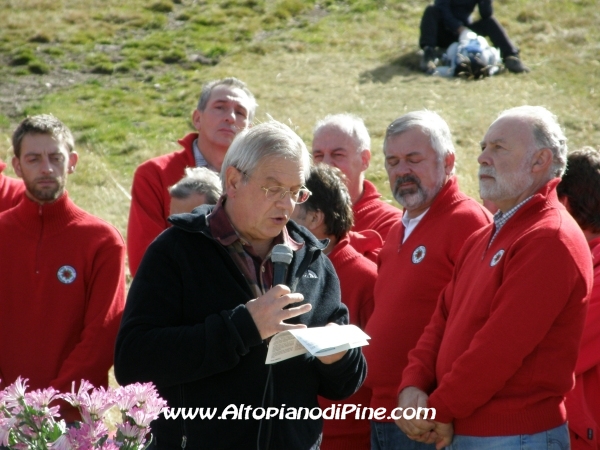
(434,34)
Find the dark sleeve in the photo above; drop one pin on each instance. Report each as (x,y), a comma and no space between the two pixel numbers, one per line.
(344,377)
(485,9)
(157,342)
(448,17)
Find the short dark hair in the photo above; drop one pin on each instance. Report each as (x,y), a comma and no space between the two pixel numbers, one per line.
(231,82)
(330,196)
(581,186)
(42,124)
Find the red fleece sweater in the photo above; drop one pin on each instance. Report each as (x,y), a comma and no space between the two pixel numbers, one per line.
(371,213)
(357,276)
(62,284)
(411,277)
(498,355)
(11,190)
(583,402)
(150,198)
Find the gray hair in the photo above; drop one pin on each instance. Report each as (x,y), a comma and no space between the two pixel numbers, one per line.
(351,125)
(547,133)
(268,139)
(431,124)
(231,82)
(42,124)
(199,180)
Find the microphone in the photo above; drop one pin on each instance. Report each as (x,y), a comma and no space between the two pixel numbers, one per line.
(281,257)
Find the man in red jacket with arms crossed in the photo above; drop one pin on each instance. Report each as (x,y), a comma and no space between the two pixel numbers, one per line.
(497,358)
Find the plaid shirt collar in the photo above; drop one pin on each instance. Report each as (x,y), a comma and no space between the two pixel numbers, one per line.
(501,218)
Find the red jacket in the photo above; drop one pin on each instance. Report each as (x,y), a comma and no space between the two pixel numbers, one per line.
(498,355)
(150,198)
(367,242)
(357,276)
(62,284)
(11,190)
(411,277)
(371,213)
(583,402)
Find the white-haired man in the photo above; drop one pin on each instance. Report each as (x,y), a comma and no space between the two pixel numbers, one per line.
(498,356)
(418,257)
(225,108)
(342,141)
(199,327)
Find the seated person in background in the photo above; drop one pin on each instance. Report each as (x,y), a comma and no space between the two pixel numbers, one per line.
(328,215)
(342,141)
(444,21)
(225,108)
(11,190)
(199,186)
(579,191)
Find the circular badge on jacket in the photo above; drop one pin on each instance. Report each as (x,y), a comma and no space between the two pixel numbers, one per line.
(66,274)
(418,254)
(496,258)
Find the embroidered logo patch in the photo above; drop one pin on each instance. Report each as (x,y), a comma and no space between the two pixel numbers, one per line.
(418,254)
(66,274)
(310,274)
(497,257)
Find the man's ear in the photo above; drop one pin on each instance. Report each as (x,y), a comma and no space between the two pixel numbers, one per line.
(197,119)
(233,178)
(17,166)
(449,161)
(73,158)
(365,157)
(315,219)
(542,160)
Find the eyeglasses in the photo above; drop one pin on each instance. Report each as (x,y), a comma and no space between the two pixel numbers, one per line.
(278,192)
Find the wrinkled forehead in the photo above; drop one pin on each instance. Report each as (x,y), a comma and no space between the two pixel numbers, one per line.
(413,141)
(510,128)
(224,93)
(332,137)
(280,170)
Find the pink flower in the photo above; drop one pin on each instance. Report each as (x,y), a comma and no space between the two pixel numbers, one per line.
(5,426)
(15,393)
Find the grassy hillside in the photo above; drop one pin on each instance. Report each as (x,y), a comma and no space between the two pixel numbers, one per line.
(125,76)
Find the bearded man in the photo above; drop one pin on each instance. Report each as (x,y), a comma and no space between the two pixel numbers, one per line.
(418,257)
(498,356)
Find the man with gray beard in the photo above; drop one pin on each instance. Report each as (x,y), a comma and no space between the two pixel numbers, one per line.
(418,257)
(497,358)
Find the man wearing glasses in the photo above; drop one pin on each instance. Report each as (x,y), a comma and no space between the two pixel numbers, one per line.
(202,308)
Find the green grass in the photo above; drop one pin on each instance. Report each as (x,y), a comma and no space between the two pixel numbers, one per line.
(125,76)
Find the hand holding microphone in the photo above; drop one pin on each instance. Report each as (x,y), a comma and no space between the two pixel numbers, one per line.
(268,311)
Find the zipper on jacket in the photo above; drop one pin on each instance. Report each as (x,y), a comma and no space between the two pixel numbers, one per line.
(183,427)
(39,244)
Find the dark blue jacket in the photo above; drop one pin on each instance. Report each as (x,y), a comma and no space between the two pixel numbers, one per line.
(186,328)
(456,13)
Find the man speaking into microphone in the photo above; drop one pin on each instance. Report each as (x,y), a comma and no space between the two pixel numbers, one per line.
(206,300)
